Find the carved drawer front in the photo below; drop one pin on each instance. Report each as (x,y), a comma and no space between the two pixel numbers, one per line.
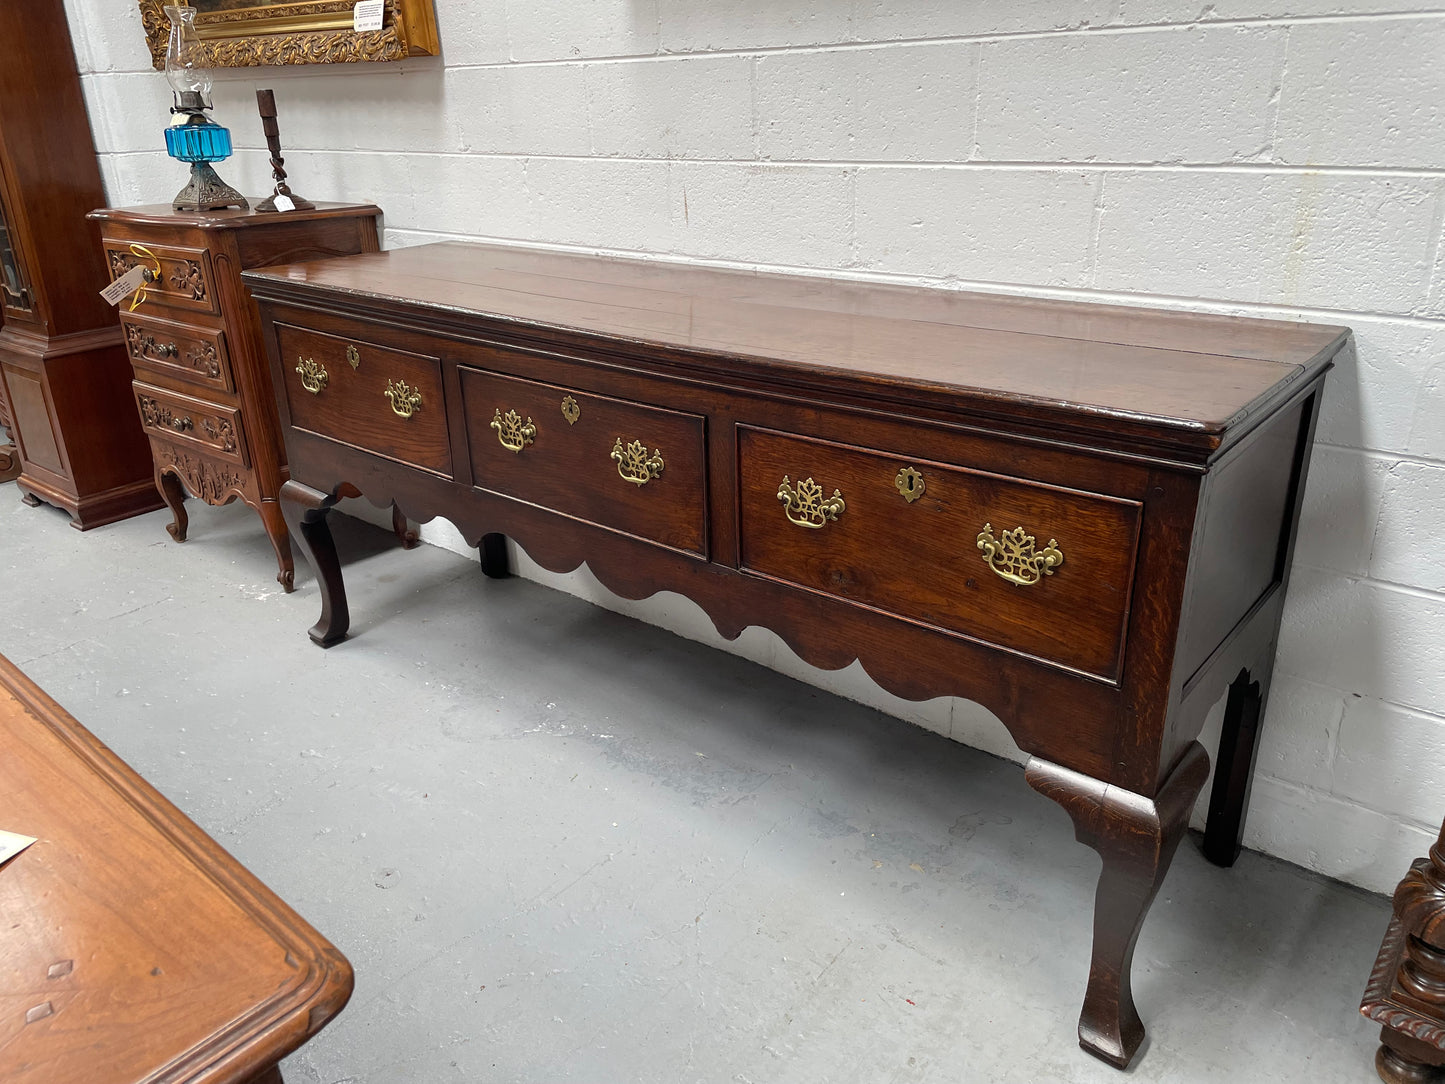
(636,469)
(209,427)
(384,401)
(178,278)
(1039,569)
(193,354)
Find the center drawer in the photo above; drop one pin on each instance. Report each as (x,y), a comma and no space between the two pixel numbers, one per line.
(388,402)
(1039,569)
(636,469)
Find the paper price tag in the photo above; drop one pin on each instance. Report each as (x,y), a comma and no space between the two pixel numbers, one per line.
(367,15)
(283,203)
(124,286)
(12,844)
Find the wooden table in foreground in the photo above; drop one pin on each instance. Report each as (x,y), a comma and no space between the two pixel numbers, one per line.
(1079,516)
(132,947)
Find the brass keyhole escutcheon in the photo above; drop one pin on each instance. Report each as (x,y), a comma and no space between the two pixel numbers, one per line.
(570,410)
(314,377)
(806,506)
(404,398)
(353,355)
(909,484)
(512,433)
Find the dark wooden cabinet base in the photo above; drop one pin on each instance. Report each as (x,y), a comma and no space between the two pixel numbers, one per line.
(1081,517)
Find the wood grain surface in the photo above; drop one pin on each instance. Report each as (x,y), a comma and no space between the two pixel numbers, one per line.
(134,949)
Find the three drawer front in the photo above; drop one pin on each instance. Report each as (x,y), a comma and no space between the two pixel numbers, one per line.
(193,354)
(1035,568)
(176,277)
(384,401)
(636,469)
(209,427)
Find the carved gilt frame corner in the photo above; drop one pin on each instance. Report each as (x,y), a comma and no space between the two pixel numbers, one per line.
(310,32)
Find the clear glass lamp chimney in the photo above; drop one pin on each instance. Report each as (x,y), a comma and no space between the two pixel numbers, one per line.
(186,70)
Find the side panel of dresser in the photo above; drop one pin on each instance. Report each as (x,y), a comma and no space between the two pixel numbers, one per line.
(196,334)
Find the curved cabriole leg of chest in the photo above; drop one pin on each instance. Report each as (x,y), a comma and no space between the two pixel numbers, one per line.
(406,534)
(274,520)
(1136,837)
(306,512)
(174,494)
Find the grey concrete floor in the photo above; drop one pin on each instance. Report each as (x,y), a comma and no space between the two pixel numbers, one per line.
(559,845)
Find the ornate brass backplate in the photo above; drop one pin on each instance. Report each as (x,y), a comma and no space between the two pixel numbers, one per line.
(634,464)
(248,33)
(404,398)
(805,505)
(512,433)
(353,356)
(570,410)
(314,377)
(1014,558)
(909,484)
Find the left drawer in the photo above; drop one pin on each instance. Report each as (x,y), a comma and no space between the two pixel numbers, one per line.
(193,354)
(384,401)
(208,427)
(180,277)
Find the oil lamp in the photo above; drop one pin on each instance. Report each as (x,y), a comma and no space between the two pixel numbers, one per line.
(192,136)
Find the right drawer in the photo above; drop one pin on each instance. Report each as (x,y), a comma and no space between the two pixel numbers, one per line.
(1038,569)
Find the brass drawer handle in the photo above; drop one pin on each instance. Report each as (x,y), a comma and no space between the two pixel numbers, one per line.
(634,464)
(512,433)
(806,506)
(1014,558)
(180,425)
(403,397)
(313,377)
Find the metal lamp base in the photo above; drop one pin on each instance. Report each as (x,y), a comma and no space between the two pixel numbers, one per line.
(269,203)
(207,192)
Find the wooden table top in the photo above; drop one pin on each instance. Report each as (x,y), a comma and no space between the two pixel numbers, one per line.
(1176,369)
(133,948)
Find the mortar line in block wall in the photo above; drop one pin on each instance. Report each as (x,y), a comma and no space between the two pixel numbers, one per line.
(957,39)
(1404,820)
(1210,306)
(1056,166)
(418,64)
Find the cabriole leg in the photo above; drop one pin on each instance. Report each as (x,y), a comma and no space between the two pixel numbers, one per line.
(305,511)
(274,521)
(1136,837)
(405,533)
(174,494)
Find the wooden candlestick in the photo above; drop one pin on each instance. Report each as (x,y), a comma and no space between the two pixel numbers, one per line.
(266,103)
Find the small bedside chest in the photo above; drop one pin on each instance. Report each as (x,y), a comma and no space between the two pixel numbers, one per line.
(202,384)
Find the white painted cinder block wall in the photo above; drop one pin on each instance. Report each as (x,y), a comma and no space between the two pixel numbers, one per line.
(1281,158)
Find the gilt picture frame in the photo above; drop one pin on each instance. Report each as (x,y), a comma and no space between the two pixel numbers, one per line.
(252,33)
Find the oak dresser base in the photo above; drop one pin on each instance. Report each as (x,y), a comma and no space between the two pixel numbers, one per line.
(1080,517)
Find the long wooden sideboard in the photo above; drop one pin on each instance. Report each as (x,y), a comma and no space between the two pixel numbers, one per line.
(1079,516)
